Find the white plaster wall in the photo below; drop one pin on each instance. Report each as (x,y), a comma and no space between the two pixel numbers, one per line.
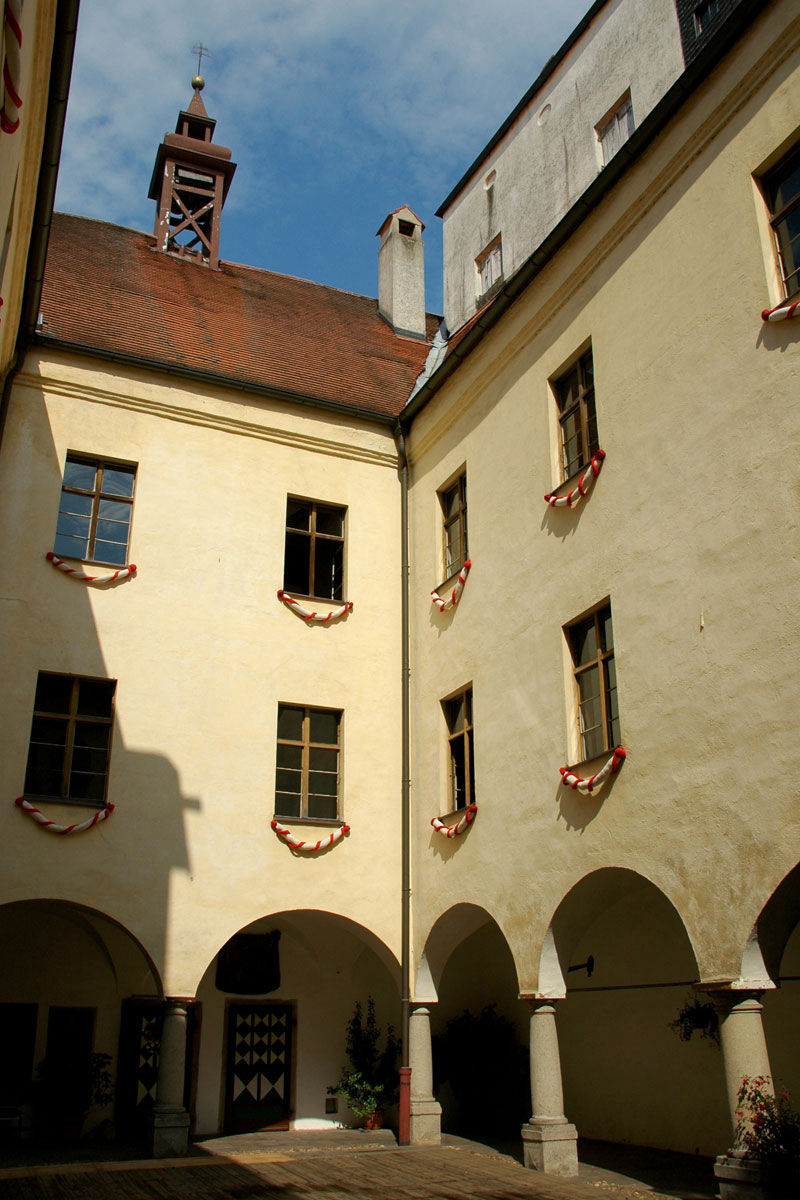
(551,153)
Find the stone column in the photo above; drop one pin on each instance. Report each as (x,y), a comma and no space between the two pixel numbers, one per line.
(744,1053)
(549,1141)
(426,1113)
(170,1118)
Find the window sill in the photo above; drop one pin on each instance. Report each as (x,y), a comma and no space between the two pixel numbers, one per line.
(66,800)
(323,822)
(590,766)
(315,599)
(92,562)
(450,580)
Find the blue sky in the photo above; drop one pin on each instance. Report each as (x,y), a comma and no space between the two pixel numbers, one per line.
(336,113)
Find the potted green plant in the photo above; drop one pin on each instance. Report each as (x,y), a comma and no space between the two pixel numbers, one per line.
(368,1084)
(768,1130)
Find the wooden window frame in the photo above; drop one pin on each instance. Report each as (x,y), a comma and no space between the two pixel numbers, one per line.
(612,121)
(769,183)
(586,408)
(313,536)
(466,737)
(493,251)
(306,746)
(73,717)
(604,655)
(459,518)
(97,494)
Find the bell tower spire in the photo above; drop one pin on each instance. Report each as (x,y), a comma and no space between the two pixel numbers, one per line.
(190,181)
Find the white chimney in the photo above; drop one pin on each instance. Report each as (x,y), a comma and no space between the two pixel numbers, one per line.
(401,273)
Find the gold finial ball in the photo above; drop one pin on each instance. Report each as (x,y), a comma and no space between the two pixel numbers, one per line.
(198,83)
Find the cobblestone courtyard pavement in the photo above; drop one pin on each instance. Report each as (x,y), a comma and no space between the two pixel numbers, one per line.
(255,1167)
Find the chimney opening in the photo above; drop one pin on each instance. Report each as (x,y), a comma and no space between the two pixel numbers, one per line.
(406,228)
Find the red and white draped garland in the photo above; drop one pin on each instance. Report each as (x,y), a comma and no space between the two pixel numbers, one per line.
(455,595)
(77,573)
(53,827)
(11,99)
(594,782)
(286,835)
(451,831)
(321,618)
(584,484)
(782,312)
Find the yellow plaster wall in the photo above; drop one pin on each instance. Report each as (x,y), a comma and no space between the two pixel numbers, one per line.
(203,652)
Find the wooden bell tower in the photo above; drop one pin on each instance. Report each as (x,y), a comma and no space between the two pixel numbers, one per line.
(190,181)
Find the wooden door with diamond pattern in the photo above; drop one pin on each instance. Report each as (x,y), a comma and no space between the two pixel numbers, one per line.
(259,1074)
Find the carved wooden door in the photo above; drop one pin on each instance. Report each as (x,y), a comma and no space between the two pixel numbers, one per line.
(259,1074)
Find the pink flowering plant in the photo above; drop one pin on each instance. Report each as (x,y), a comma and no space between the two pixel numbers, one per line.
(768,1129)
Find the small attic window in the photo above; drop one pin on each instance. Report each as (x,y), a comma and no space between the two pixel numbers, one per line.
(406,228)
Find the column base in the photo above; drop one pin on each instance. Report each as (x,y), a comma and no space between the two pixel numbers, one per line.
(170,1132)
(738,1177)
(425,1122)
(550,1146)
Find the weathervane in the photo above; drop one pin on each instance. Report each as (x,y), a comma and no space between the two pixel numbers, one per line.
(200,50)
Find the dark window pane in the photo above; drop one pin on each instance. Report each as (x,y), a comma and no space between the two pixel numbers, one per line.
(324,727)
(288,781)
(330,520)
(290,757)
(471,767)
(110,552)
(450,500)
(49,730)
(607,631)
(567,389)
(324,808)
(455,714)
(323,760)
(87,787)
(457,772)
(328,560)
(298,515)
(46,758)
(593,743)
(53,693)
(70,547)
(287,805)
(84,759)
(71,502)
(583,642)
(95,696)
(79,475)
(296,573)
(39,781)
(290,723)
(322,783)
(118,481)
(92,733)
(589,684)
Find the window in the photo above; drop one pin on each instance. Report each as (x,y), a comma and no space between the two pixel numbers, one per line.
(615,128)
(591,644)
(314,558)
(703,15)
(574,392)
(490,266)
(94,520)
(458,715)
(781,188)
(454,511)
(307,762)
(70,739)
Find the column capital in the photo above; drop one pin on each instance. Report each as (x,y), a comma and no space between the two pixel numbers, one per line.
(537,1001)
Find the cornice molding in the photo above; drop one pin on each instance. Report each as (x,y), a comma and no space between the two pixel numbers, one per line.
(57,386)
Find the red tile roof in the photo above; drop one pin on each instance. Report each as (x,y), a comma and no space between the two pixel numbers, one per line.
(108,289)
